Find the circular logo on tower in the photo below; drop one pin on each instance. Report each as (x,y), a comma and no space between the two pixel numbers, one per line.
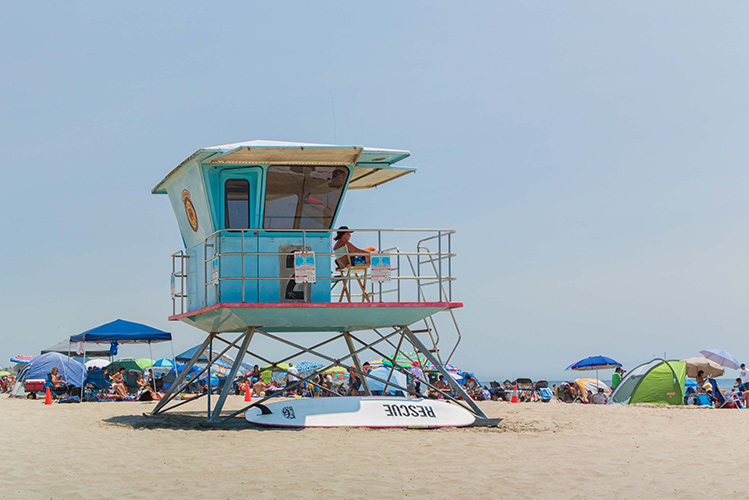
(192,217)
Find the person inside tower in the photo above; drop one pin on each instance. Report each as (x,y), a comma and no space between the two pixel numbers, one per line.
(343,250)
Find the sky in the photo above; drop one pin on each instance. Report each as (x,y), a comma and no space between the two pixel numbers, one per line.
(589,155)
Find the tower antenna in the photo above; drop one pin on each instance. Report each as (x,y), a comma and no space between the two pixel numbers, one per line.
(332,103)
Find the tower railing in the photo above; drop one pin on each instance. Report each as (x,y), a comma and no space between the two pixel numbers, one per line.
(430,280)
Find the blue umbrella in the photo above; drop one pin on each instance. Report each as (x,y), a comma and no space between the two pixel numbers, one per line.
(594,363)
(164,363)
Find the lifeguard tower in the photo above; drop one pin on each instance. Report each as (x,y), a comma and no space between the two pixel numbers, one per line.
(257,220)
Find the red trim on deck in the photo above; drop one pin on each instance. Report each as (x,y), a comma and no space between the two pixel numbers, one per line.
(314,305)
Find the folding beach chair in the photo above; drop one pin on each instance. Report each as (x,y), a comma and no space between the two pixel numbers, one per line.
(525,388)
(95,385)
(721,401)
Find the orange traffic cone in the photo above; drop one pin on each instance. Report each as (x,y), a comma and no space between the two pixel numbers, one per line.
(247,395)
(514,398)
(48,397)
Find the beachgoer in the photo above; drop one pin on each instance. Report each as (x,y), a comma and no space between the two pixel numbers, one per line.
(259,387)
(471,384)
(441,384)
(255,375)
(292,375)
(343,248)
(616,377)
(739,385)
(118,383)
(417,373)
(599,398)
(354,381)
(744,376)
(56,380)
(701,378)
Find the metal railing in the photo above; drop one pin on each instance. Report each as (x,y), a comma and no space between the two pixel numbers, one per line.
(429,280)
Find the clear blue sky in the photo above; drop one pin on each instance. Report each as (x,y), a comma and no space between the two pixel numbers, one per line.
(591,157)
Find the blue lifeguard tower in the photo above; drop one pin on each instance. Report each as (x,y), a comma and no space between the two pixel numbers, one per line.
(257,220)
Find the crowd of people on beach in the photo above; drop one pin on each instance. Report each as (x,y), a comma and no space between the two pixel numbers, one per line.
(121,384)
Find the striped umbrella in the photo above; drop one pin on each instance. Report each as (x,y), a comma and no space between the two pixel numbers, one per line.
(305,368)
(22,358)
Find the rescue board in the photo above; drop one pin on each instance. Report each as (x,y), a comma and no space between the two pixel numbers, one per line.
(366,411)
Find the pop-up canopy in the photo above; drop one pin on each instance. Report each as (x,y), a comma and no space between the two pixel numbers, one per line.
(123,332)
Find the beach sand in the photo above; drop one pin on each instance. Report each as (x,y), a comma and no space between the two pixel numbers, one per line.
(552,450)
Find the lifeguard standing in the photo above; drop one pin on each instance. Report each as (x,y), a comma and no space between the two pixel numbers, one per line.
(257,219)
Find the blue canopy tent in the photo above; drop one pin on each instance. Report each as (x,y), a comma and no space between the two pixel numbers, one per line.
(120,331)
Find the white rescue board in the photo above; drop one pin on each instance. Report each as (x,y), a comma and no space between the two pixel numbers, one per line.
(367,411)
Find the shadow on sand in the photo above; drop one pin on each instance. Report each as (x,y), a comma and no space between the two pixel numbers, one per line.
(187,421)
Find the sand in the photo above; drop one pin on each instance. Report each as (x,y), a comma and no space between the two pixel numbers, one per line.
(552,450)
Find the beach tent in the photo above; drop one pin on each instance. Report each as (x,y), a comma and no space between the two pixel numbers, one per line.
(130,365)
(66,347)
(592,385)
(383,373)
(658,381)
(73,372)
(121,331)
(186,356)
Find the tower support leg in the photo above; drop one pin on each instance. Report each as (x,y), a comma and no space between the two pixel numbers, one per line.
(355,357)
(213,417)
(441,369)
(173,390)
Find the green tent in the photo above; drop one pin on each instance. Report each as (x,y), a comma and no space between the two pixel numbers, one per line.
(130,365)
(657,382)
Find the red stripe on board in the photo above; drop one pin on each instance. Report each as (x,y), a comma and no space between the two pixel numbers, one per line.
(314,305)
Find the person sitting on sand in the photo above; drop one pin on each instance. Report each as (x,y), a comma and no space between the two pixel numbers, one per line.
(259,387)
(471,384)
(441,384)
(140,381)
(599,398)
(343,249)
(118,383)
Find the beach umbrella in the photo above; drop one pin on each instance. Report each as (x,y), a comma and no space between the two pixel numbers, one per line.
(5,374)
(163,363)
(338,372)
(305,368)
(721,357)
(144,363)
(594,363)
(22,358)
(711,368)
(96,363)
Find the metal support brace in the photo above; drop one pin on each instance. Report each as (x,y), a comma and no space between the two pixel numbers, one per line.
(355,357)
(181,377)
(249,333)
(441,369)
